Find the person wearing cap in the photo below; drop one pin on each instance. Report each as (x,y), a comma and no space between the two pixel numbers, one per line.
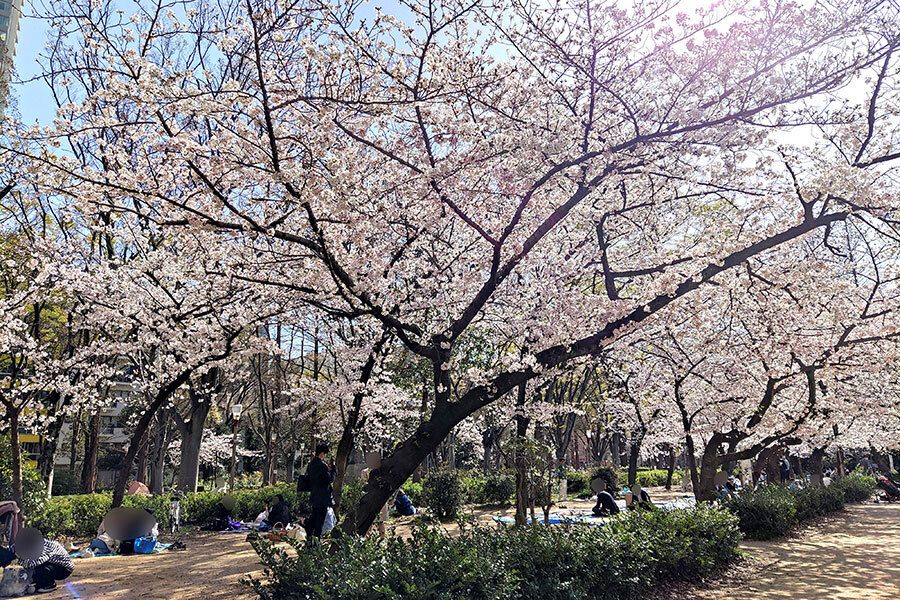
(47,560)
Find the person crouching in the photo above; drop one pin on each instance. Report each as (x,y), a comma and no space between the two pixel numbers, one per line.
(47,560)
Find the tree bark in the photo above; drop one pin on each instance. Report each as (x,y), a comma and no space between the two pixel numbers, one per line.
(160,448)
(73,446)
(633,455)
(140,429)
(16,458)
(50,441)
(522,491)
(671,471)
(348,435)
(817,462)
(189,470)
(91,451)
(141,468)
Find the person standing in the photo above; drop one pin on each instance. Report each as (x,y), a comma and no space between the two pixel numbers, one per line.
(784,470)
(320,476)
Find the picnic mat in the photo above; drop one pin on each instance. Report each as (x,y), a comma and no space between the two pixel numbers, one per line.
(557,519)
(586,517)
(159,548)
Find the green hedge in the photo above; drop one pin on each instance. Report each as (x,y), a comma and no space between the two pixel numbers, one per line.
(442,493)
(499,488)
(623,559)
(766,512)
(773,510)
(79,516)
(651,477)
(856,486)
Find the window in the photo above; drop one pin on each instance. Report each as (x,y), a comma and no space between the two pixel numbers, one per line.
(3,7)
(4,21)
(107,425)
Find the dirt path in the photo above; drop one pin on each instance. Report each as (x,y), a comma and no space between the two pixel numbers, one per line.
(849,556)
(209,569)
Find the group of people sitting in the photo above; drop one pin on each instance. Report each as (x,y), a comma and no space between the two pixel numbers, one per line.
(607,506)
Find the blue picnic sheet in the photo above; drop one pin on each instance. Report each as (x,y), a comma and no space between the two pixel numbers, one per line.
(585,517)
(159,548)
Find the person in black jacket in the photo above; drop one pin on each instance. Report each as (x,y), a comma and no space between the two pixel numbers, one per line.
(320,499)
(606,505)
(279,513)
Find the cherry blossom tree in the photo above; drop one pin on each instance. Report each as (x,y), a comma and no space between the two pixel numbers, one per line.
(571,171)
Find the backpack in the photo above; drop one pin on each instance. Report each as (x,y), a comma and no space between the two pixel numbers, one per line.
(303,483)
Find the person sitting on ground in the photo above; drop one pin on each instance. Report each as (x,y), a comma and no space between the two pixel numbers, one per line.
(221,518)
(731,484)
(638,498)
(606,505)
(152,529)
(104,543)
(46,559)
(263,516)
(279,513)
(404,505)
(891,491)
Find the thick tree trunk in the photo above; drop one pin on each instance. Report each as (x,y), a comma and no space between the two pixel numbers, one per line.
(633,455)
(691,456)
(671,471)
(158,454)
(91,451)
(191,440)
(141,468)
(614,448)
(817,462)
(522,491)
(840,451)
(140,429)
(709,466)
(348,435)
(189,469)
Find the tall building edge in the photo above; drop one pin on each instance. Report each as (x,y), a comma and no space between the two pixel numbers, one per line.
(10,11)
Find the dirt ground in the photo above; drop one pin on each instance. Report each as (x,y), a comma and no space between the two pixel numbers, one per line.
(848,556)
(845,557)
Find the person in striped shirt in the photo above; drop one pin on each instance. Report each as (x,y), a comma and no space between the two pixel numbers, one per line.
(47,560)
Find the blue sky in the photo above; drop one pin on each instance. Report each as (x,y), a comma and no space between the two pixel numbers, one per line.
(35,101)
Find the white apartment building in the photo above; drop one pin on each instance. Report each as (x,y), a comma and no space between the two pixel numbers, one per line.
(10,10)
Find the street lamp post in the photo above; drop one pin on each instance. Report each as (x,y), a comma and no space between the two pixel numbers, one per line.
(236,411)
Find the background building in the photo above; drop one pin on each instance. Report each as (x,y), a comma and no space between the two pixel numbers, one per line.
(9,35)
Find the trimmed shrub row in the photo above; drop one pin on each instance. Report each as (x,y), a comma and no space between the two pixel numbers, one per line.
(79,516)
(623,559)
(773,510)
